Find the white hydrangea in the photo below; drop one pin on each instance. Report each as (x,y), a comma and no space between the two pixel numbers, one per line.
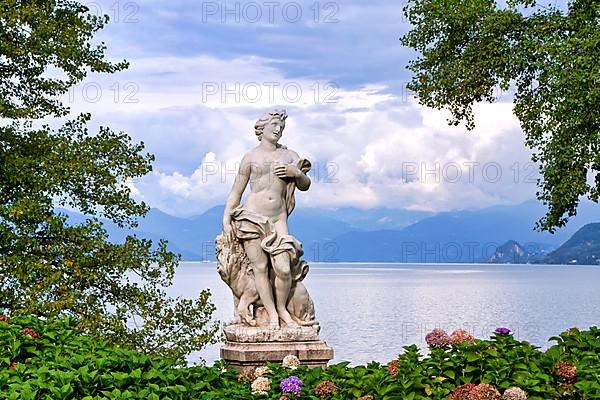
(290,361)
(262,371)
(514,393)
(261,385)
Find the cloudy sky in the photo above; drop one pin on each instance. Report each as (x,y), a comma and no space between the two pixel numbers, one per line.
(202,72)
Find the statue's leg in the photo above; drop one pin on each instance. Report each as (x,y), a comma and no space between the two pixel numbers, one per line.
(260,262)
(283,284)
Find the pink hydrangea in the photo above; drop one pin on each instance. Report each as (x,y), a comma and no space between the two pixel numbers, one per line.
(461,336)
(484,391)
(393,367)
(438,338)
(30,332)
(461,392)
(566,370)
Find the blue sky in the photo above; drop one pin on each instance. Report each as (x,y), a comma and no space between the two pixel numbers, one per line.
(202,73)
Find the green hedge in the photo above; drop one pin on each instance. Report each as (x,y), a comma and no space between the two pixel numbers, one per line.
(52,360)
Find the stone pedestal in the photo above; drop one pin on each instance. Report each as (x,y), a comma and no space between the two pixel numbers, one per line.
(250,347)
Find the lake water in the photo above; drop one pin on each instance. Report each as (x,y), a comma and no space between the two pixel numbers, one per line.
(369,311)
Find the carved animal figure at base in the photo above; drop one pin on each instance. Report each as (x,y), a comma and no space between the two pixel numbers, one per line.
(236,271)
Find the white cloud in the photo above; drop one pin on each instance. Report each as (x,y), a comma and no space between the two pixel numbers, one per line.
(194,106)
(369,149)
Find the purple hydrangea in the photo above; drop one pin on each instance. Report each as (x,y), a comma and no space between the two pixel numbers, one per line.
(502,331)
(291,384)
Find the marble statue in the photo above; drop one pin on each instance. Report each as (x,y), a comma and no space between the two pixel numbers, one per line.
(256,256)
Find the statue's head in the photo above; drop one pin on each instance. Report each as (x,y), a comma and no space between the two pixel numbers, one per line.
(273,120)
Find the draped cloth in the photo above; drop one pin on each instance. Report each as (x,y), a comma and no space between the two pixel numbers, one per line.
(304,166)
(251,225)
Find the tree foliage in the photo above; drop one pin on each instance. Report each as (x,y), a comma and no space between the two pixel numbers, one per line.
(550,56)
(48,266)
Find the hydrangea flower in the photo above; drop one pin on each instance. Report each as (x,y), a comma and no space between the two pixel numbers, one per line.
(514,393)
(437,338)
(393,367)
(291,384)
(484,391)
(325,389)
(4,318)
(262,371)
(290,361)
(566,370)
(261,385)
(30,332)
(462,391)
(246,375)
(502,331)
(461,336)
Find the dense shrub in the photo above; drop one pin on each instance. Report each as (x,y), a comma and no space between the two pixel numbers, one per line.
(52,360)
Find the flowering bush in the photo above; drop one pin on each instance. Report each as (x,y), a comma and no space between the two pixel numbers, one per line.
(62,363)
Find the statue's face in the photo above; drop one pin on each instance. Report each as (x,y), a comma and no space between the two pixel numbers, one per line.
(273,130)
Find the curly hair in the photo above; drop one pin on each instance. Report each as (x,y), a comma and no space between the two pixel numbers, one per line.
(266,118)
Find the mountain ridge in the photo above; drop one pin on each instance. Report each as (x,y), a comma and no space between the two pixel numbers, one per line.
(453,236)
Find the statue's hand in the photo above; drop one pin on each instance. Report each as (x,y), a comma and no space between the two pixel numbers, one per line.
(227,230)
(286,171)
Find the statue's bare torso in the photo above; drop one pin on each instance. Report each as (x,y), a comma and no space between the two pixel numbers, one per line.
(267,190)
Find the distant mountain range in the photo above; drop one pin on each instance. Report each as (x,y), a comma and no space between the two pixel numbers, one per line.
(378,235)
(582,248)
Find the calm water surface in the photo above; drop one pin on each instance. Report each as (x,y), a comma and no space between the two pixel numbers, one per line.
(369,311)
